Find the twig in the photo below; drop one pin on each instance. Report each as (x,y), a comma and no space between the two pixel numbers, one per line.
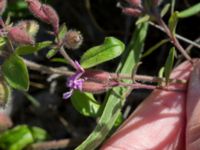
(48,70)
(66,56)
(64,72)
(177,35)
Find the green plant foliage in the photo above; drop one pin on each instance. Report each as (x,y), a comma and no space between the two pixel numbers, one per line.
(85,103)
(2,42)
(115,98)
(59,60)
(52,52)
(165,10)
(15,72)
(62,31)
(21,136)
(29,49)
(38,134)
(169,64)
(110,49)
(190,11)
(155,47)
(173,20)
(5,93)
(143,19)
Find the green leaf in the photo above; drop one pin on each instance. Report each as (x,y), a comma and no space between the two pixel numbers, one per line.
(115,98)
(59,60)
(173,20)
(110,49)
(85,103)
(5,93)
(62,31)
(29,49)
(143,19)
(2,42)
(190,11)
(38,134)
(16,138)
(52,53)
(15,72)
(165,10)
(169,64)
(161,72)
(155,47)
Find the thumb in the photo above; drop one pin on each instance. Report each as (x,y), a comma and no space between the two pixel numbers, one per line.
(193,110)
(158,123)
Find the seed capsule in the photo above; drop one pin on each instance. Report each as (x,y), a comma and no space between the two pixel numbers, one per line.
(96,76)
(20,36)
(93,87)
(34,7)
(52,17)
(73,39)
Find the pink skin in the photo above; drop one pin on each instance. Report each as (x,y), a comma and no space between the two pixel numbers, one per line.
(159,123)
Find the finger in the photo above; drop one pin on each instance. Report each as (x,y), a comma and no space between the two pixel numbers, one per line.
(158,123)
(193,110)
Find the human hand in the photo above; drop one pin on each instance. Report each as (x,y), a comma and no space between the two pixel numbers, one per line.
(166,120)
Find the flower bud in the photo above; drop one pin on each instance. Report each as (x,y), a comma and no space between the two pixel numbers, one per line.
(96,76)
(52,16)
(93,87)
(34,7)
(20,36)
(73,39)
(29,26)
(132,11)
(3,4)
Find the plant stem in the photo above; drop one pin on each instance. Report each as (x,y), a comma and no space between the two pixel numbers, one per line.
(173,39)
(150,87)
(177,35)
(46,69)
(66,56)
(114,76)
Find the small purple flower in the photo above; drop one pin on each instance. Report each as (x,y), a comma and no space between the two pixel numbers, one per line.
(74,82)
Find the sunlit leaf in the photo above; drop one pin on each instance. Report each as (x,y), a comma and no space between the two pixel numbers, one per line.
(21,136)
(165,10)
(190,11)
(110,49)
(38,134)
(16,138)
